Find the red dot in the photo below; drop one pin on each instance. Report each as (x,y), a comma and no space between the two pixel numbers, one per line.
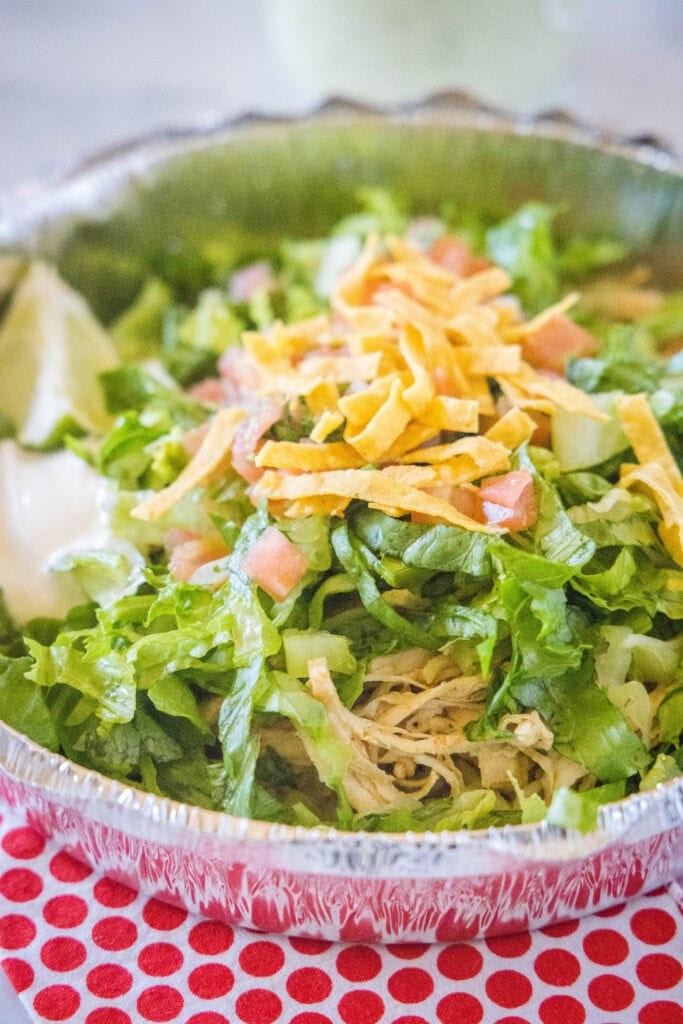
(211,938)
(410,985)
(557,967)
(408,950)
(114,933)
(459,961)
(23,843)
(208,1017)
(163,916)
(512,1020)
(610,993)
(510,945)
(258,1006)
(20,974)
(65,911)
(310,947)
(459,1008)
(410,1019)
(360,1007)
(63,954)
(359,963)
(309,985)
(160,1003)
(57,1002)
(655,927)
(261,959)
(210,981)
(108,981)
(160,959)
(659,971)
(66,868)
(561,1010)
(107,1015)
(20,885)
(661,1012)
(561,930)
(16,931)
(113,894)
(508,989)
(309,1017)
(605,946)
(611,911)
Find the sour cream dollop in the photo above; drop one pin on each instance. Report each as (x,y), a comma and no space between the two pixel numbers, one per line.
(49,505)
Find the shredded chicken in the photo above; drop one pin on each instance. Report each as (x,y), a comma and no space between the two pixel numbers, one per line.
(407,740)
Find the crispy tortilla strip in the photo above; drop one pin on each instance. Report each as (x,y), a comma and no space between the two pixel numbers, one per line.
(321,396)
(360,406)
(489,361)
(412,437)
(322,505)
(477,327)
(653,480)
(342,369)
(457,414)
(621,298)
(418,395)
(478,389)
(315,458)
(386,425)
(529,326)
(326,425)
(210,462)
(351,286)
(646,437)
(482,449)
(512,429)
(556,392)
(364,485)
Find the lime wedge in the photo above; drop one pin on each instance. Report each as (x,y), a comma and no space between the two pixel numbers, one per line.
(51,351)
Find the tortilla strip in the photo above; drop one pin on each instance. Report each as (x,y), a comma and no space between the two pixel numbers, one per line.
(646,437)
(512,429)
(316,458)
(489,361)
(364,485)
(457,414)
(386,425)
(211,461)
(654,480)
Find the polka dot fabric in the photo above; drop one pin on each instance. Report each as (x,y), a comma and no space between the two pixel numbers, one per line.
(87,950)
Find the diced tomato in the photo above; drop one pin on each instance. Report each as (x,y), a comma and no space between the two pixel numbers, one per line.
(245,283)
(509,500)
(453,254)
(248,440)
(467,499)
(187,557)
(192,440)
(275,564)
(209,390)
(239,374)
(554,342)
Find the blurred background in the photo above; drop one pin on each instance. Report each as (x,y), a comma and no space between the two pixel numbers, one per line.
(76,75)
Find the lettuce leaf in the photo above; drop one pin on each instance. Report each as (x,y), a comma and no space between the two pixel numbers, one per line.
(587,727)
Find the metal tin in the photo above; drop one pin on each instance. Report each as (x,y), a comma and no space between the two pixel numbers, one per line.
(163,194)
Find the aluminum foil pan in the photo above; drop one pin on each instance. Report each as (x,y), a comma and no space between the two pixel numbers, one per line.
(178,190)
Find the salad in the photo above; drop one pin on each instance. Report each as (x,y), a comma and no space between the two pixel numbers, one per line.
(382,531)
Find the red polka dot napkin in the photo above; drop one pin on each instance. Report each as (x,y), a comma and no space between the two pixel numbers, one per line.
(84,949)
